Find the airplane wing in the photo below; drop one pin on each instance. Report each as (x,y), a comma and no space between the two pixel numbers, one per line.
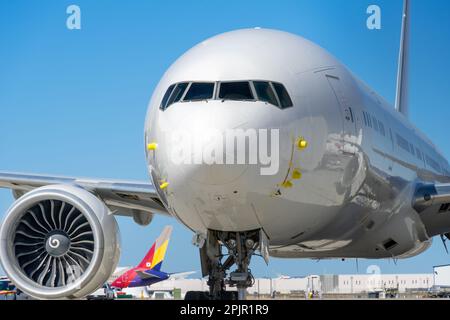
(127,198)
(432,202)
(181,275)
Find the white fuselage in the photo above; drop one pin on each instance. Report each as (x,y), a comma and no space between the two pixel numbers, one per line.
(357,175)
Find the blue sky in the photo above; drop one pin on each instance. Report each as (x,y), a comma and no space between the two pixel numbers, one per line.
(74,102)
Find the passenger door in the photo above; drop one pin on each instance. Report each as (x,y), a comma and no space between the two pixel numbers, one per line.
(348,117)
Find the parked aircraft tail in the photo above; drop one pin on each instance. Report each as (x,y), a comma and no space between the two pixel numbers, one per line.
(155,256)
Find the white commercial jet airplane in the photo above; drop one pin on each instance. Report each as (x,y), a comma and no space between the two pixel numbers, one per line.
(354,178)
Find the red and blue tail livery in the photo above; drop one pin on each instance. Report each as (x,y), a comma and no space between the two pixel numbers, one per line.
(148,271)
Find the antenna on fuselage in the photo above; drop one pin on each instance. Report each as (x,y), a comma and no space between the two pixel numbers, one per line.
(401,100)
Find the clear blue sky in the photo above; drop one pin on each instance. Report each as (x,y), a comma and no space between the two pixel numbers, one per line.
(74,102)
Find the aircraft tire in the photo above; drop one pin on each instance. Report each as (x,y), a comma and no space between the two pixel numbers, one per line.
(196,296)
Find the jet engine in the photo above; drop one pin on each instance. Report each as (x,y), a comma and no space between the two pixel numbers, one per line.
(59,241)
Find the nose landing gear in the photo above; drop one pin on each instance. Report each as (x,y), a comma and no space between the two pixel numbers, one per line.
(240,247)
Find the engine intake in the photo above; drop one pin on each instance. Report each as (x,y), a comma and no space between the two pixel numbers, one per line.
(59,241)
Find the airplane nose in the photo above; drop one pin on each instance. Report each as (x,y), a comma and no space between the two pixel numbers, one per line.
(199,144)
(214,142)
(214,174)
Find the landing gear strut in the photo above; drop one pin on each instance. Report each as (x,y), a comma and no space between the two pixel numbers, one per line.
(240,246)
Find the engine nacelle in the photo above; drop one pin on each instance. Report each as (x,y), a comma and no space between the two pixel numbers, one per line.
(59,241)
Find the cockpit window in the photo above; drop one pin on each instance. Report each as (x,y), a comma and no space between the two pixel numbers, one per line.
(166,97)
(177,93)
(270,92)
(235,91)
(265,93)
(199,91)
(283,95)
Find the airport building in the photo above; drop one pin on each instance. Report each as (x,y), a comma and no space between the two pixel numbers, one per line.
(331,285)
(356,284)
(325,284)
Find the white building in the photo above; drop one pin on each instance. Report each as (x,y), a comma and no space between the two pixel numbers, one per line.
(326,284)
(355,284)
(441,276)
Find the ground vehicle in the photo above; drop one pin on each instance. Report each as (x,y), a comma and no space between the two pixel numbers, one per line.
(161,295)
(439,292)
(104,293)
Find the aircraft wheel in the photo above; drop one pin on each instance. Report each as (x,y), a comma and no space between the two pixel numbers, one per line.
(230,295)
(196,296)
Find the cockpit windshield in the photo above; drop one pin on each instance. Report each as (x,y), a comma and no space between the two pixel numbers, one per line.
(265,92)
(200,91)
(283,95)
(235,91)
(253,90)
(177,93)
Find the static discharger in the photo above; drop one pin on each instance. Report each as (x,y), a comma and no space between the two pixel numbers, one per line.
(152,146)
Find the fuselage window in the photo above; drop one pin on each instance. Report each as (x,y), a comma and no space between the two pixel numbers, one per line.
(265,93)
(166,97)
(412,149)
(433,163)
(375,123)
(177,93)
(446,172)
(199,91)
(283,95)
(235,91)
(419,154)
(381,127)
(403,143)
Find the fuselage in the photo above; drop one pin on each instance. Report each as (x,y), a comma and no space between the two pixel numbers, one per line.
(348,194)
